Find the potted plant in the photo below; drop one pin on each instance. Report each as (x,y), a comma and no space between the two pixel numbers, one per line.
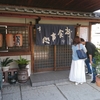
(5,63)
(22,72)
(97,65)
(22,62)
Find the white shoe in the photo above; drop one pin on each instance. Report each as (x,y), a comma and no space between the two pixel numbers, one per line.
(90,75)
(76,83)
(81,83)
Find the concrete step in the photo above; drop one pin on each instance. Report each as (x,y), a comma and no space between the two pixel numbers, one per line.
(47,78)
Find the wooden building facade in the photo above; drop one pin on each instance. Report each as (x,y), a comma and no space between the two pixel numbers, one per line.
(43,58)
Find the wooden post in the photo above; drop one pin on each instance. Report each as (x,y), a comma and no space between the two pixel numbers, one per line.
(31,47)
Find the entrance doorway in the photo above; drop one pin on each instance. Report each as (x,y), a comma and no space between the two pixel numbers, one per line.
(51,57)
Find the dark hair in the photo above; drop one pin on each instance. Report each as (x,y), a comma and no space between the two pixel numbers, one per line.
(82,40)
(76,40)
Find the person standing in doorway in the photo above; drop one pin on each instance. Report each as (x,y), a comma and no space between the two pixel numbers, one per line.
(77,71)
(91,49)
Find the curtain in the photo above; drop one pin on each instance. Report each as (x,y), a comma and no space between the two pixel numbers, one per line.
(47,34)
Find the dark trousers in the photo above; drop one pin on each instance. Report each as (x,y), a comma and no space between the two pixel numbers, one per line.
(93,70)
(87,61)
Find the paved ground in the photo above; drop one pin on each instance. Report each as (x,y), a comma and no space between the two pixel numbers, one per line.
(52,77)
(59,91)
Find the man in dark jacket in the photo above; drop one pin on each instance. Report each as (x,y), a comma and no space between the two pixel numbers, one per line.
(91,49)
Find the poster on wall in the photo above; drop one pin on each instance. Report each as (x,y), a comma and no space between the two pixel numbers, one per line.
(47,34)
(83,33)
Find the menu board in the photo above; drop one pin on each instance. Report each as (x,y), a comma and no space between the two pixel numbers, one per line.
(83,33)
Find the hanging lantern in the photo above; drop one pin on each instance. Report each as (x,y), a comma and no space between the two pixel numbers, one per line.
(1,40)
(18,39)
(9,40)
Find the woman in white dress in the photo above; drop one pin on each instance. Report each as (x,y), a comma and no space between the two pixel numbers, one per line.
(77,71)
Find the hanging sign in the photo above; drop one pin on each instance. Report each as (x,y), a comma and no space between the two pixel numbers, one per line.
(47,34)
(18,40)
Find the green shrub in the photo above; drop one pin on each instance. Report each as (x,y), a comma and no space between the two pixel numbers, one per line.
(22,61)
(97,61)
(6,62)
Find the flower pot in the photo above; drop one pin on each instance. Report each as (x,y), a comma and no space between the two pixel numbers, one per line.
(22,66)
(22,75)
(98,80)
(5,68)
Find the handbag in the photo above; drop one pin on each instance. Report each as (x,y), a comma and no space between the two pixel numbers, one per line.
(81,54)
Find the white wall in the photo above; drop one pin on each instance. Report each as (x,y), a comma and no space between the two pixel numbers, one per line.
(42,21)
(67,22)
(16,20)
